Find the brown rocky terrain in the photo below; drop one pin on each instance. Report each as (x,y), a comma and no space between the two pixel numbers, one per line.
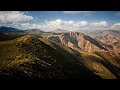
(76,39)
(110,39)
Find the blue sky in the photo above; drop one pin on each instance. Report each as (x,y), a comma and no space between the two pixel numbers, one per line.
(93,16)
(50,20)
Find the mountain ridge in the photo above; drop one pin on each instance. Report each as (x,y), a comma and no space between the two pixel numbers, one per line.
(33,59)
(77,39)
(72,55)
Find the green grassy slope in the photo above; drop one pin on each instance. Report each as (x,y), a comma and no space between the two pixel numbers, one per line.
(28,57)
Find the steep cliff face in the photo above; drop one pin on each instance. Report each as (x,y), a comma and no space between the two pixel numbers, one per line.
(75,39)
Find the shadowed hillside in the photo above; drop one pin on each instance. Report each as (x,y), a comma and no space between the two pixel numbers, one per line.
(29,58)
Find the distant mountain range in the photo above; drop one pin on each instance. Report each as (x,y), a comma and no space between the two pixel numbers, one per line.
(11,29)
(100,32)
(34,31)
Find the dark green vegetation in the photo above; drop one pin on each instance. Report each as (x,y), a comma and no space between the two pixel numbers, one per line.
(29,58)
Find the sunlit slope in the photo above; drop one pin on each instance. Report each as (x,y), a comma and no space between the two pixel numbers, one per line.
(28,57)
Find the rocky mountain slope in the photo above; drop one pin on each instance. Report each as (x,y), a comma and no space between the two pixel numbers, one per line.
(110,39)
(58,56)
(76,39)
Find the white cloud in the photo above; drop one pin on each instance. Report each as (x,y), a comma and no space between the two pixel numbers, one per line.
(62,24)
(83,23)
(76,12)
(13,16)
(65,25)
(52,25)
(115,26)
(102,23)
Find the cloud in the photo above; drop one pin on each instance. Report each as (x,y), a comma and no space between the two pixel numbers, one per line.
(82,23)
(115,26)
(102,23)
(51,25)
(14,16)
(76,12)
(62,24)
(69,25)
